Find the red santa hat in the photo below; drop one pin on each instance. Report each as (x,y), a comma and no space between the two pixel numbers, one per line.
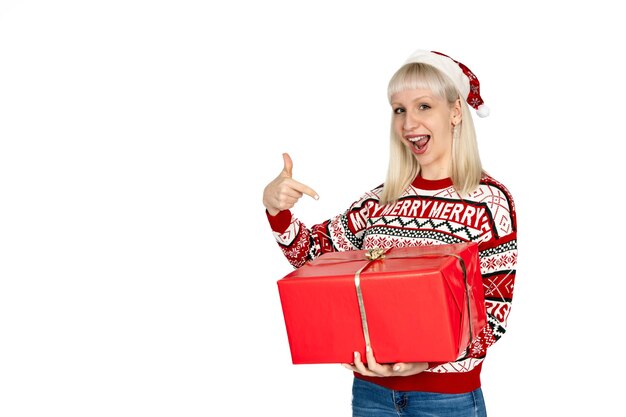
(464,79)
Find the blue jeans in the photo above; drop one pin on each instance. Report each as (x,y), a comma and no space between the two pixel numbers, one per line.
(371,400)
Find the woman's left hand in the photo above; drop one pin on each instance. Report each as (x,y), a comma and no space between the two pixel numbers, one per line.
(377,369)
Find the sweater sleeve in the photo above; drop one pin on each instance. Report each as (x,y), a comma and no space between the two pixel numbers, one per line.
(498,261)
(343,232)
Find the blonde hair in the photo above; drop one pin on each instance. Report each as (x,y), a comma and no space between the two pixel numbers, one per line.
(466,168)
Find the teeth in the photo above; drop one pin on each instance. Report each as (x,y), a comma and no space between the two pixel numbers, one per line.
(419,141)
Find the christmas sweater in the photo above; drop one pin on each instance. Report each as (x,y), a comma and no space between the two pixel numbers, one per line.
(428,213)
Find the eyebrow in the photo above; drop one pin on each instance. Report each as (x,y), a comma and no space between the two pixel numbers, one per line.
(414,100)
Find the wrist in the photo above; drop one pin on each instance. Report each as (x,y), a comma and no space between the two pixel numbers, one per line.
(272,212)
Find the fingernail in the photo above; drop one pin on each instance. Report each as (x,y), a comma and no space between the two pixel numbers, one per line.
(368,349)
(317,197)
(356,354)
(396,368)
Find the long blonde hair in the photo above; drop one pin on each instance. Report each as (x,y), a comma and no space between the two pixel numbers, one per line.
(466,169)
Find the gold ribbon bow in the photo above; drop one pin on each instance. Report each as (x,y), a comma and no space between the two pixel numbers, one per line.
(374,254)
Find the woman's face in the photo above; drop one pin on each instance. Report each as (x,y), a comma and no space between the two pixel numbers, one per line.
(424,122)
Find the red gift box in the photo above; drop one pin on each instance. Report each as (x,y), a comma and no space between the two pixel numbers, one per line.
(414,304)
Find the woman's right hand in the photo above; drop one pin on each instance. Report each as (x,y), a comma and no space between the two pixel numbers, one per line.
(283,192)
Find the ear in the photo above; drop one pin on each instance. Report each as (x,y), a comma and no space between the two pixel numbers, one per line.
(456,113)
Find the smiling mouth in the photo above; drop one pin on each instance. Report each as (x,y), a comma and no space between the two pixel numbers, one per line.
(419,142)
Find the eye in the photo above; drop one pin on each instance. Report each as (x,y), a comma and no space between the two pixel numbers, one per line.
(398,110)
(423,107)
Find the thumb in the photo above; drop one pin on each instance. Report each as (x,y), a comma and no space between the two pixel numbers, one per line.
(288,167)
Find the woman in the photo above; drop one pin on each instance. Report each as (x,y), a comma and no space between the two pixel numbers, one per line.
(436,192)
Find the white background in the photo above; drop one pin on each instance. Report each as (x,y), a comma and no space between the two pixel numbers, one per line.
(137,270)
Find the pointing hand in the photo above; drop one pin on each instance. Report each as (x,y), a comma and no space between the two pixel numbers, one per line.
(284,192)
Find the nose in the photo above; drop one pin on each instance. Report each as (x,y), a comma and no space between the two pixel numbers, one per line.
(411,122)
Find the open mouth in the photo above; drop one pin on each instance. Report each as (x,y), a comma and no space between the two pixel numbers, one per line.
(419,142)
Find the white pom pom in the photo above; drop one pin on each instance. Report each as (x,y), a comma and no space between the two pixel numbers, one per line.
(482,110)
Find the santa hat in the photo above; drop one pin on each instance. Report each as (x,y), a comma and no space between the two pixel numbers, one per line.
(464,79)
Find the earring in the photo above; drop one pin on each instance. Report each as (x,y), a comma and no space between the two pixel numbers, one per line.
(456,133)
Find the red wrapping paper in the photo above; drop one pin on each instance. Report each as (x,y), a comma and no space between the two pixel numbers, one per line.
(415,299)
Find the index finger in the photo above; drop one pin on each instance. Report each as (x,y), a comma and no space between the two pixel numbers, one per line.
(305,189)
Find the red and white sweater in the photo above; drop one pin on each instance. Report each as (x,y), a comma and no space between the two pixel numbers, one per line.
(428,213)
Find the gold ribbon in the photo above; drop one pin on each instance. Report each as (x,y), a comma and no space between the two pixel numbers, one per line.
(372,255)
